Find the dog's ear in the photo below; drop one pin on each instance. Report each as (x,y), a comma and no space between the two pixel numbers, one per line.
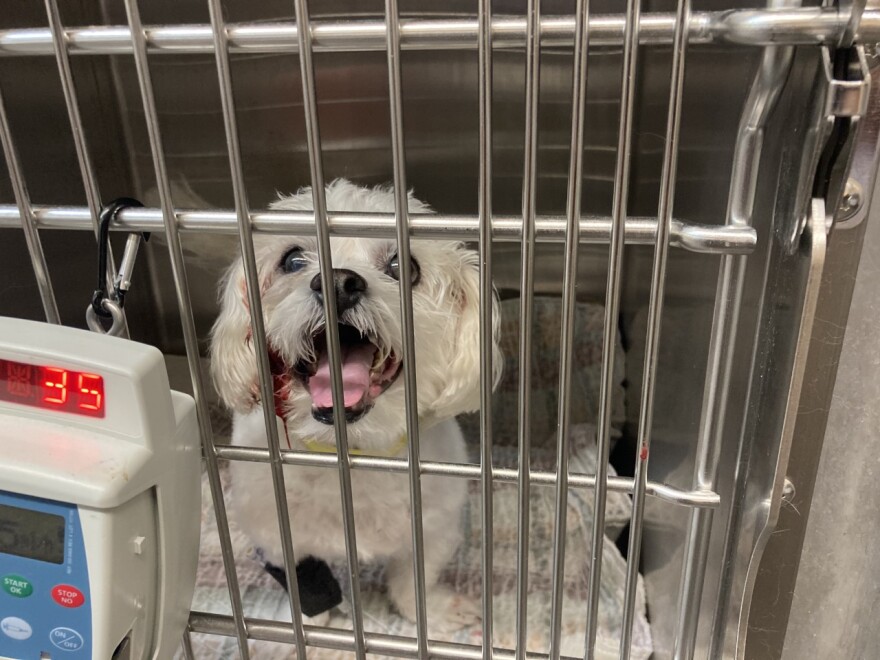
(233,361)
(462,391)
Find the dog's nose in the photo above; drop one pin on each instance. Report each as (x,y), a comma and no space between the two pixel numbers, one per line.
(349,288)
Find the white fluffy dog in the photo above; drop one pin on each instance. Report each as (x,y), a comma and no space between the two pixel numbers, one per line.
(445,310)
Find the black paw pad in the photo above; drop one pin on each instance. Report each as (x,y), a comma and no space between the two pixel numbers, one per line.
(318,589)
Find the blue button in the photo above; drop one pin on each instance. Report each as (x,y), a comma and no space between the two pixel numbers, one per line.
(66,639)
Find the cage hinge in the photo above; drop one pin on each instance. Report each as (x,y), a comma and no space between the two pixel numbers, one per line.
(837,140)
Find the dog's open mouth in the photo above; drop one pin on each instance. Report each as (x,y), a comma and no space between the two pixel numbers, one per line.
(367,371)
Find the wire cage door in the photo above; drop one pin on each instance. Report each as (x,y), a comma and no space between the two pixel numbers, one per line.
(828,175)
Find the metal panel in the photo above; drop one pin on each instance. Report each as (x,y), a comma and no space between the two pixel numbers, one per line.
(781,565)
(837,572)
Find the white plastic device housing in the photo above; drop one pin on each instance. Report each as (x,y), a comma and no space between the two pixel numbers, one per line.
(133,474)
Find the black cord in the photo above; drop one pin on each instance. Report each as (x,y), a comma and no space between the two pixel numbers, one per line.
(106,217)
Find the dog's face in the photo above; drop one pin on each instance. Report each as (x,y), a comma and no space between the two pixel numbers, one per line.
(366,273)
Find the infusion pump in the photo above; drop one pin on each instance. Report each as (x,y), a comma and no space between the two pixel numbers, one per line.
(99,497)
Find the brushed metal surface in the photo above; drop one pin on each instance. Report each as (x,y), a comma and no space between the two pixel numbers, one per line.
(838,576)
(820,607)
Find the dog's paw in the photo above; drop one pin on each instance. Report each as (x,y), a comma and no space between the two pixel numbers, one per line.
(321,619)
(447,611)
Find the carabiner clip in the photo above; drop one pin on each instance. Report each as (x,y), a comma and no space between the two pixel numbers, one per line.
(106,305)
(109,309)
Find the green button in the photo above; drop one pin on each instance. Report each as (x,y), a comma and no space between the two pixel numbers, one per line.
(17,586)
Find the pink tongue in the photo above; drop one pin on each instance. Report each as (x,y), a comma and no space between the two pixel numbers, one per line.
(356,363)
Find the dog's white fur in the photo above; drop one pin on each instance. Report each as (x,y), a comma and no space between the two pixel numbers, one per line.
(446,321)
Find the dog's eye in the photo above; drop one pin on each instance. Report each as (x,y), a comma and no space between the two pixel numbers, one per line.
(293,260)
(393,269)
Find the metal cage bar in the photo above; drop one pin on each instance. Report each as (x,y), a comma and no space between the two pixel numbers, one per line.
(655,319)
(401,211)
(752,27)
(566,339)
(28,221)
(325,261)
(763,96)
(87,171)
(526,293)
(691,498)
(334,638)
(484,81)
(708,239)
(186,645)
(255,309)
(612,311)
(181,288)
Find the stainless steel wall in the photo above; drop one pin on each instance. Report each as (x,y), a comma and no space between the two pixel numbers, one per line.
(838,577)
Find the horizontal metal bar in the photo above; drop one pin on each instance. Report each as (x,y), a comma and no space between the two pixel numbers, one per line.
(715,239)
(334,638)
(694,498)
(753,27)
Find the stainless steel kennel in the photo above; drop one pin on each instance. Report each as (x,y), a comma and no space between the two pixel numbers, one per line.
(560,136)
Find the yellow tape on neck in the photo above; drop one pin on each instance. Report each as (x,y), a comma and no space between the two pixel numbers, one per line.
(322,447)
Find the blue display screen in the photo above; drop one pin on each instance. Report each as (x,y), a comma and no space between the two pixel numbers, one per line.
(32,534)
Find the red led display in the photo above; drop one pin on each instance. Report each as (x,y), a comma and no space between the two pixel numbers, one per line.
(52,388)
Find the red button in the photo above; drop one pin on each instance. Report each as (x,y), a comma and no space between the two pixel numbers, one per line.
(67,596)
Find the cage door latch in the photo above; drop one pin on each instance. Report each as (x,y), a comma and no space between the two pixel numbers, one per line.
(840,145)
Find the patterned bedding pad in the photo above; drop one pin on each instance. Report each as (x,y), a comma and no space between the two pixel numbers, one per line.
(264,598)
(586,373)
